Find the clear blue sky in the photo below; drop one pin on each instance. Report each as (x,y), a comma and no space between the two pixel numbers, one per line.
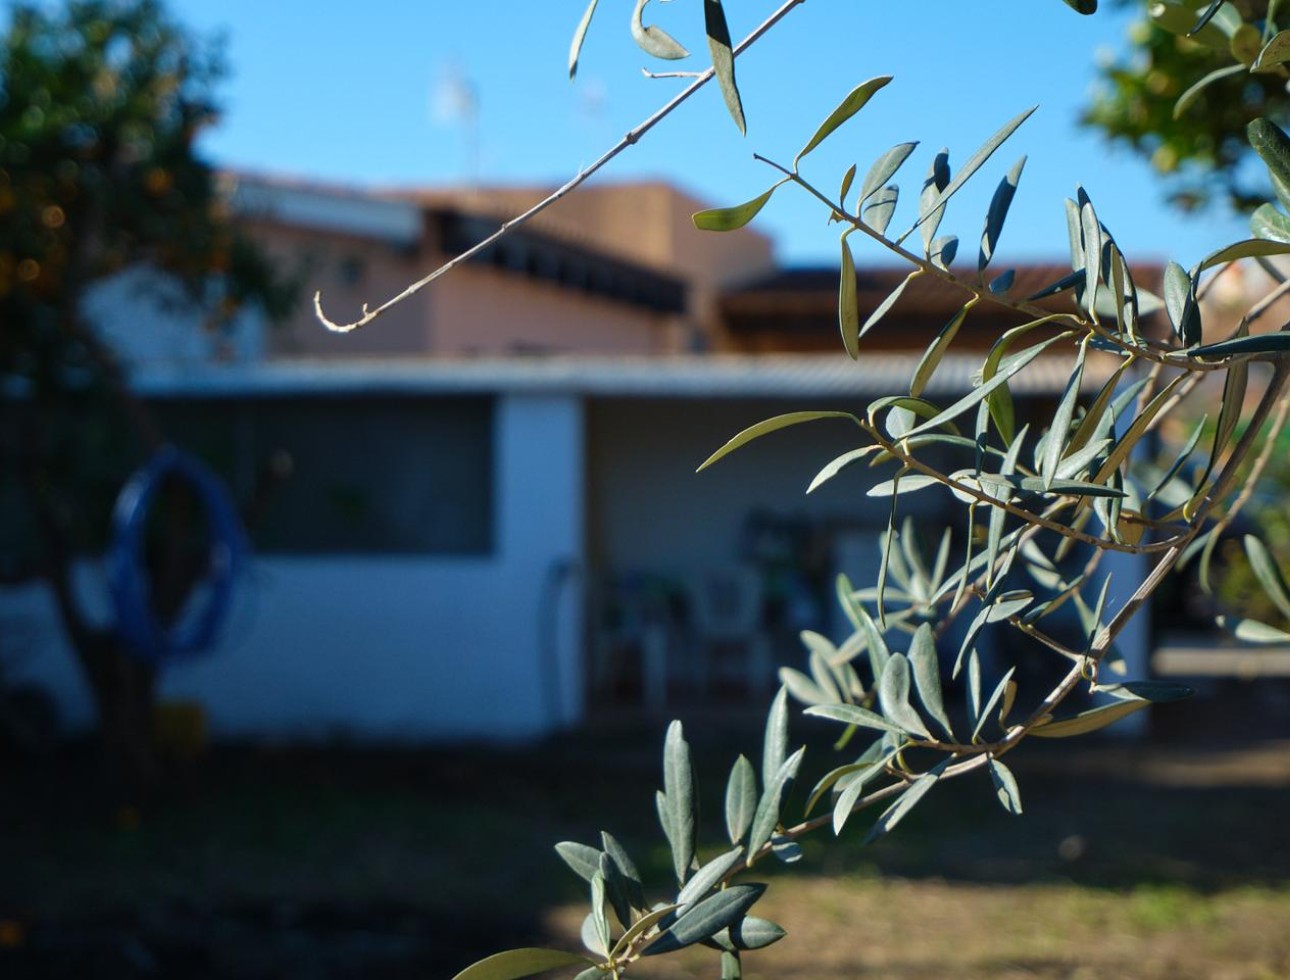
(352,92)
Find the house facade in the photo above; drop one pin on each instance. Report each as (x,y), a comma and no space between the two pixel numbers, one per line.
(494,528)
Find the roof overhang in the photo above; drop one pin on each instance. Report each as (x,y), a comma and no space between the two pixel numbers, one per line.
(712,376)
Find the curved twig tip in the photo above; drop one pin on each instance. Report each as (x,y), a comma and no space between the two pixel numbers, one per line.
(332,325)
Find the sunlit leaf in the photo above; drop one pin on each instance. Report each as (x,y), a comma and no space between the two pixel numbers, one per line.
(847,179)
(1018,363)
(1088,721)
(848,305)
(755,933)
(1275,52)
(1252,631)
(1181,303)
(885,306)
(516,963)
(709,876)
(772,425)
(1058,432)
(893,695)
(884,168)
(973,164)
(681,793)
(741,800)
(902,484)
(878,211)
(728,219)
(642,925)
(766,818)
(627,868)
(927,675)
(654,41)
(850,714)
(1268,223)
(930,212)
(1268,573)
(580,35)
(845,804)
(836,465)
(1005,786)
(988,708)
(931,359)
(943,250)
(723,59)
(584,860)
(848,107)
(1091,239)
(775,738)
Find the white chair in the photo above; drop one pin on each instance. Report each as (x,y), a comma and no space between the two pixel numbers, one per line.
(727,611)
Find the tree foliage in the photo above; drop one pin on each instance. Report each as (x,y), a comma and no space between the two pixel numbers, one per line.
(1183,102)
(101,104)
(1047,504)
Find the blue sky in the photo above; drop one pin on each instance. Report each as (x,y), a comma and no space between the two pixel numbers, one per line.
(358,93)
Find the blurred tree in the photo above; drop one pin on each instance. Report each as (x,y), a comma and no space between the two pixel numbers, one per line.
(1201,147)
(100,105)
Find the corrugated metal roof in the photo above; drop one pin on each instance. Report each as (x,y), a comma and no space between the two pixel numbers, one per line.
(683,376)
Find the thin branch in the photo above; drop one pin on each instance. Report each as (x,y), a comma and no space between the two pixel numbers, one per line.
(577,180)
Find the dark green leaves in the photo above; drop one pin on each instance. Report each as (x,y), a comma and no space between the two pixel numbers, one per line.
(930,210)
(654,40)
(1082,6)
(678,800)
(998,212)
(706,918)
(1262,343)
(848,304)
(723,59)
(584,860)
(1269,223)
(1181,303)
(516,963)
(895,813)
(848,107)
(1252,248)
(973,164)
(893,695)
(766,819)
(709,876)
(775,739)
(741,800)
(728,219)
(754,933)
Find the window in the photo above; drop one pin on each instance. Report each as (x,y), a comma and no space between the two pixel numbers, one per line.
(406,475)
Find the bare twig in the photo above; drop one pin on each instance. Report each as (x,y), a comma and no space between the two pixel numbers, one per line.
(577,180)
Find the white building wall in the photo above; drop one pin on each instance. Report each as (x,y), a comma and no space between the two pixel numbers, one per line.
(398,646)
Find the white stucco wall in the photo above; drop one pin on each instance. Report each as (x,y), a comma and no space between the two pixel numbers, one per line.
(397,646)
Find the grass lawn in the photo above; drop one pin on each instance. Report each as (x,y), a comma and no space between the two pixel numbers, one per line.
(1158,860)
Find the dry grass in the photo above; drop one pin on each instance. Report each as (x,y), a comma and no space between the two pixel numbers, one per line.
(936,930)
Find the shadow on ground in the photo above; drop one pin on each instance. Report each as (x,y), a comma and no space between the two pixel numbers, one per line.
(344,862)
